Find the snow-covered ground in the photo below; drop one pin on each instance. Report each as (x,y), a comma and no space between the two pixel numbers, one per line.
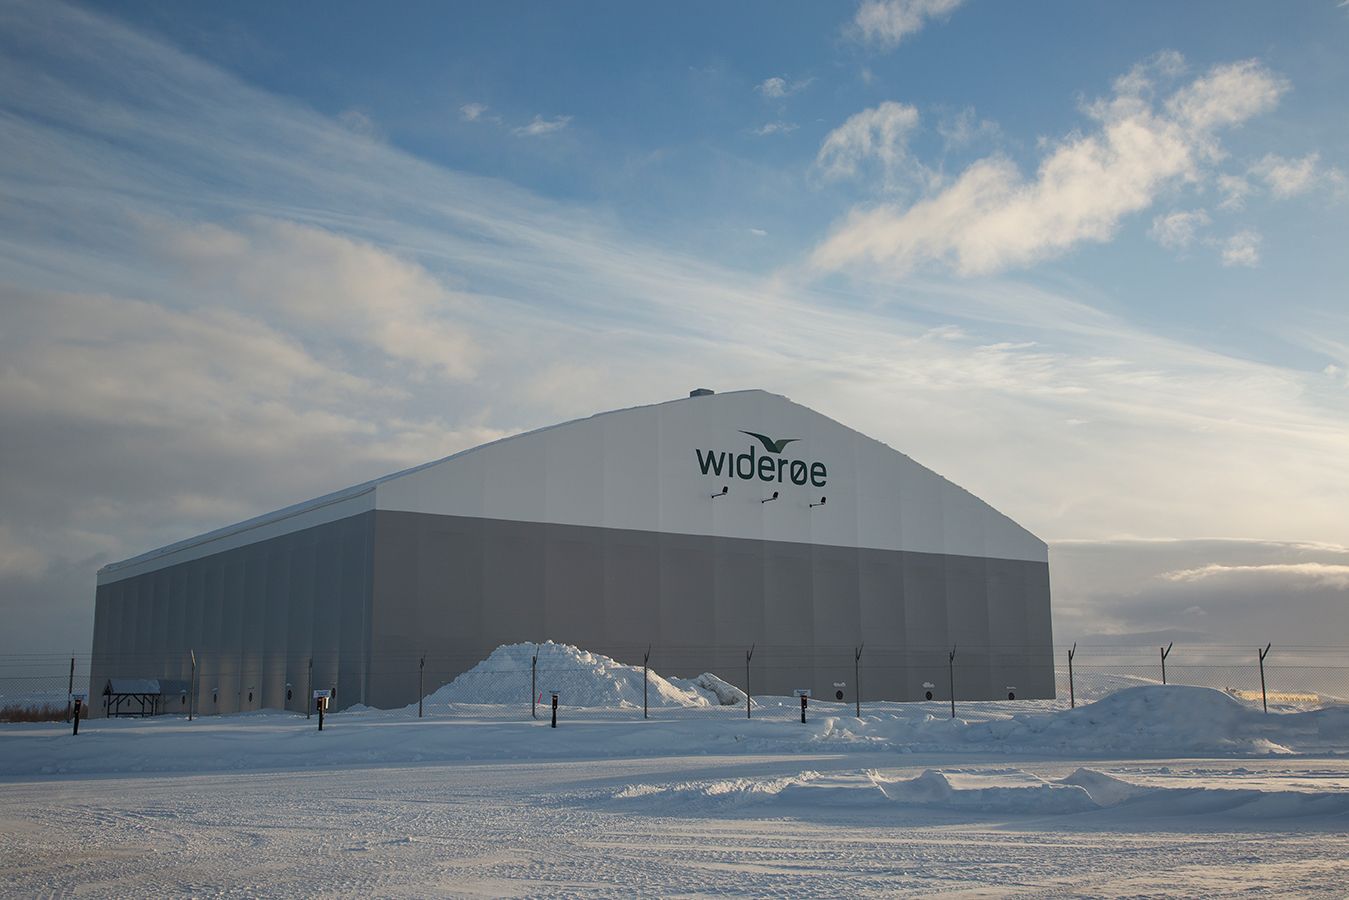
(1150,790)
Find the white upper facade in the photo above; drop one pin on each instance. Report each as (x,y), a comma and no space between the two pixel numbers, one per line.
(643,469)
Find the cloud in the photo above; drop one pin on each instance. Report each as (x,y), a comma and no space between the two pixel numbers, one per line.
(885,23)
(197,278)
(1242,248)
(359,122)
(539,125)
(777,88)
(1307,573)
(1235,189)
(1230,595)
(964,128)
(472,112)
(877,136)
(991,218)
(1292,177)
(326,283)
(771,128)
(1177,230)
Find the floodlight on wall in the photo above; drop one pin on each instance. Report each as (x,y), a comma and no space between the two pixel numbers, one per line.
(725,489)
(770,499)
(821,503)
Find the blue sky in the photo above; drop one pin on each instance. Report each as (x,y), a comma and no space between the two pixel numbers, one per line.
(1084,259)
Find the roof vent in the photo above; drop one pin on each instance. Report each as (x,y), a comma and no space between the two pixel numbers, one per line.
(701,392)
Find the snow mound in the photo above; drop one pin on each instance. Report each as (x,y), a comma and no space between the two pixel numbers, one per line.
(581,678)
(1005,792)
(1156,718)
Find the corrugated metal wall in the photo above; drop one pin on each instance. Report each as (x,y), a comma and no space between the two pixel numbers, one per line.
(254,616)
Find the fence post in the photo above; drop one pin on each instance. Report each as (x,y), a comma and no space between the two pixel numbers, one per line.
(951,672)
(749,654)
(533,684)
(645,660)
(70,690)
(421,684)
(857,677)
(1072,695)
(1165,653)
(192,684)
(309,691)
(1264,700)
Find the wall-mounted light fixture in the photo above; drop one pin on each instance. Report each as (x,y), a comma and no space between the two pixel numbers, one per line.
(770,499)
(725,489)
(821,503)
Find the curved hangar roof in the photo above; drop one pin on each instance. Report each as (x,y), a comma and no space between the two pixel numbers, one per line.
(655,468)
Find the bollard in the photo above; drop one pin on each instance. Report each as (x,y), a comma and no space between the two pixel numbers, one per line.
(320,699)
(78,705)
(803,709)
(554,725)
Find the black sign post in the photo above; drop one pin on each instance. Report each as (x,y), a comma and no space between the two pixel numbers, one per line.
(554,693)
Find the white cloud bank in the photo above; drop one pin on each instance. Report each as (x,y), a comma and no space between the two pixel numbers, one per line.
(885,23)
(992,218)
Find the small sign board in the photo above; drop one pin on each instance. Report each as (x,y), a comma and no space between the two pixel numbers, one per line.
(322,693)
(802,692)
(79,695)
(929,685)
(840,684)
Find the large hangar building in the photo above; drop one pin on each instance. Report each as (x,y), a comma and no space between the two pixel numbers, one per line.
(700,526)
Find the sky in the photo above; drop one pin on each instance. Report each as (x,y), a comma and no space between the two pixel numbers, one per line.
(1084,259)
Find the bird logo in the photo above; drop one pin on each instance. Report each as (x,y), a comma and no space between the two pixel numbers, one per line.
(769,444)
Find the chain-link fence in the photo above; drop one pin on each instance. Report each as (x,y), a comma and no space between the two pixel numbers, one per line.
(521,682)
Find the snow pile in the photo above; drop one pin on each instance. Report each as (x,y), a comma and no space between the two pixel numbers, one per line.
(581,678)
(1175,717)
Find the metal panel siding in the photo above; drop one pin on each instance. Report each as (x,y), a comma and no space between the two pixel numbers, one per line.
(252,616)
(701,601)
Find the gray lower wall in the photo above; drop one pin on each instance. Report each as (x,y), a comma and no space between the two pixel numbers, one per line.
(254,616)
(366,596)
(457,587)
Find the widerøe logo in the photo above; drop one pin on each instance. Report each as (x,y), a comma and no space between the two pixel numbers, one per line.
(771,466)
